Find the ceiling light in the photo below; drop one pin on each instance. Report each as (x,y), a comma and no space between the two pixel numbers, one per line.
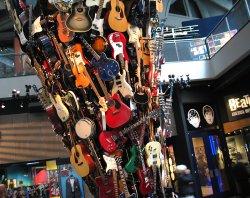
(3,105)
(21,105)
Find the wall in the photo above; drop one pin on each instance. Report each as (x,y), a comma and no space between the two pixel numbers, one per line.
(28,137)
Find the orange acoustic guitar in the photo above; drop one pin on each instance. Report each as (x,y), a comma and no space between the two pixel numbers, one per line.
(77,59)
(64,34)
(117,19)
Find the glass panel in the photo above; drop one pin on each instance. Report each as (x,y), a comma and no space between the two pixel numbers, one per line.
(202,166)
(219,172)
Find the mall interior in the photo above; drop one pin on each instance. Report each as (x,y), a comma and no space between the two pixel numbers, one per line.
(161,85)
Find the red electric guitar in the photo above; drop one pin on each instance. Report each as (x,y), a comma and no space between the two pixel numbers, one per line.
(110,141)
(105,184)
(118,113)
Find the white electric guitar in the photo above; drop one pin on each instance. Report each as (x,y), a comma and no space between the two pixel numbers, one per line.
(120,84)
(97,24)
(61,109)
(111,163)
(17,23)
(90,3)
(37,25)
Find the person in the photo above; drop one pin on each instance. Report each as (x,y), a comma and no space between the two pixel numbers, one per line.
(208,114)
(185,182)
(194,118)
(3,191)
(241,177)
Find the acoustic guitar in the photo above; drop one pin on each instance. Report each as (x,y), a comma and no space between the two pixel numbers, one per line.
(117,19)
(79,19)
(118,113)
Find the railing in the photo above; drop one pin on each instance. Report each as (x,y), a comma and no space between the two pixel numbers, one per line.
(206,48)
(232,22)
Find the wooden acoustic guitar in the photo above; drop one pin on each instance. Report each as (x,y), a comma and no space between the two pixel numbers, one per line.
(117,19)
(79,158)
(79,19)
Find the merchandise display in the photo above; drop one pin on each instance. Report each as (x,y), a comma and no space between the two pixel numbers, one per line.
(99,64)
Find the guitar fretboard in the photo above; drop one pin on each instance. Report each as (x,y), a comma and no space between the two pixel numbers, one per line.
(92,51)
(126,130)
(99,11)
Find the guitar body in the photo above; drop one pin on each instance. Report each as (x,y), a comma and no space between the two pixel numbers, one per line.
(97,26)
(146,183)
(108,140)
(106,188)
(61,109)
(79,19)
(153,151)
(107,68)
(64,34)
(55,120)
(145,52)
(36,26)
(140,97)
(159,5)
(121,85)
(117,19)
(132,164)
(118,42)
(78,60)
(119,114)
(78,160)
(99,44)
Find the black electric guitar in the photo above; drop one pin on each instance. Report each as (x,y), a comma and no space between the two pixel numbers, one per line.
(79,19)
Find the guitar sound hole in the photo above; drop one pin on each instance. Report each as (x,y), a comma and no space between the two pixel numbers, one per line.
(79,9)
(118,9)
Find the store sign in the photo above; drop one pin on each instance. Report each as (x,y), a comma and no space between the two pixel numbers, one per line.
(238,107)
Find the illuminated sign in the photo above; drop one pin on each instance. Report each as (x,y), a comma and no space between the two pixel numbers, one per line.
(238,107)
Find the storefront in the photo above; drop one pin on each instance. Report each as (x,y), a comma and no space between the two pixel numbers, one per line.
(51,178)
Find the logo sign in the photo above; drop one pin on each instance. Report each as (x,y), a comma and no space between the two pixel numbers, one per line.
(238,106)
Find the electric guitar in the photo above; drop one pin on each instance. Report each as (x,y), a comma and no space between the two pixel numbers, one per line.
(17,23)
(117,19)
(132,165)
(77,59)
(79,19)
(97,24)
(107,68)
(118,43)
(99,44)
(118,113)
(105,184)
(64,34)
(111,165)
(125,193)
(61,109)
(111,141)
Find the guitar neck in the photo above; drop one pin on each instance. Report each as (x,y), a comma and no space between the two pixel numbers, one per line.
(121,172)
(114,174)
(99,11)
(97,161)
(30,22)
(92,51)
(104,89)
(121,59)
(155,177)
(126,130)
